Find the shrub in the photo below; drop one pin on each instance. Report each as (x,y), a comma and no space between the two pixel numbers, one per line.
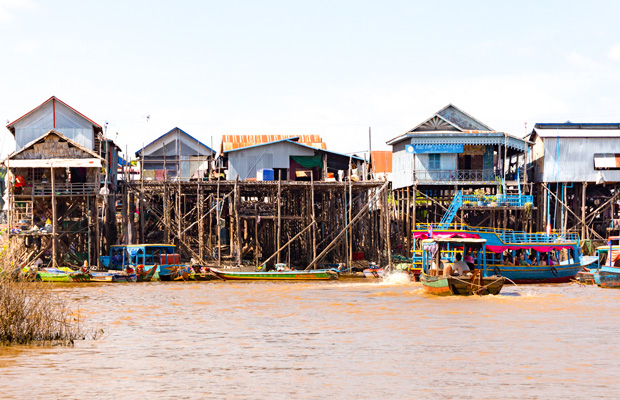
(32,312)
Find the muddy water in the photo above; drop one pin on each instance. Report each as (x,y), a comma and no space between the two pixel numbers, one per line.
(352,339)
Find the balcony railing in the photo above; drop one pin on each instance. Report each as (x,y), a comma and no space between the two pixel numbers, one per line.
(450,175)
(65,189)
(463,175)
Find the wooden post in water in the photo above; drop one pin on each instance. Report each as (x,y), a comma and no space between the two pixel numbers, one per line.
(54,220)
(350,252)
(313,217)
(279,227)
(201,224)
(219,228)
(387,228)
(584,185)
(141,198)
(237,222)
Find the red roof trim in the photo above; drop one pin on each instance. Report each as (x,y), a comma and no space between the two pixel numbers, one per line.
(53,98)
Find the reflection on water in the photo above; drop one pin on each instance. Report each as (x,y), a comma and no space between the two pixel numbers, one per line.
(345,339)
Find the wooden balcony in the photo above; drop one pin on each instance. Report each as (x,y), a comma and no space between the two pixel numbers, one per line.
(66,189)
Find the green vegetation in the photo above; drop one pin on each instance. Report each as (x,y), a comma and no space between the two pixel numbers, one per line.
(31,312)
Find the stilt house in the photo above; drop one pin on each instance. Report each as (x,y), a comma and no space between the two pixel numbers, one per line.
(61,191)
(175,155)
(576,168)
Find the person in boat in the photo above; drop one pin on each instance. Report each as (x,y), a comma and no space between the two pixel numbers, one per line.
(435,270)
(523,260)
(470,261)
(552,259)
(543,260)
(459,267)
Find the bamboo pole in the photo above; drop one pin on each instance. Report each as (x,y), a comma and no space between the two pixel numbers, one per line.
(237,222)
(388,209)
(584,186)
(313,217)
(54,228)
(278,227)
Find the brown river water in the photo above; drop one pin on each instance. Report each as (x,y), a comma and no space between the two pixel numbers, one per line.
(347,339)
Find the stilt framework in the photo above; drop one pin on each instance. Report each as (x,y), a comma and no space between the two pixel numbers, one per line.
(256,223)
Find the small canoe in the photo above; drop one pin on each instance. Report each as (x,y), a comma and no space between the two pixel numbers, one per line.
(374,272)
(113,276)
(145,275)
(462,285)
(291,275)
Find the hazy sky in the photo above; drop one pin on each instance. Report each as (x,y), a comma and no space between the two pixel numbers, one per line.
(332,68)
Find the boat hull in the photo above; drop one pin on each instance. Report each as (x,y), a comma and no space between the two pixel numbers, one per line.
(461,286)
(61,275)
(607,277)
(277,275)
(537,274)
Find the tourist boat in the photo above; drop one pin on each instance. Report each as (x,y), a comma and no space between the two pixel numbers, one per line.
(479,281)
(145,257)
(546,247)
(607,273)
(61,275)
(282,275)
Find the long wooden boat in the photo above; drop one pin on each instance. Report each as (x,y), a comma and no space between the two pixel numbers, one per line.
(461,286)
(292,275)
(113,276)
(61,275)
(479,281)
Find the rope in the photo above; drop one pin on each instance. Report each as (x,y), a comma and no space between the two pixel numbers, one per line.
(481,288)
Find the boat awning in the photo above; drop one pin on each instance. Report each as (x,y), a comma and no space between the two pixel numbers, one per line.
(55,162)
(607,161)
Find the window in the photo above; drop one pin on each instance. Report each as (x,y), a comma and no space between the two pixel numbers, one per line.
(434,161)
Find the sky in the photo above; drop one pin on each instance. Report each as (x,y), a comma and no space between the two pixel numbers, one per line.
(330,68)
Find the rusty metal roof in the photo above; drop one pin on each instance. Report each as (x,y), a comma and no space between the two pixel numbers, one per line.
(233,142)
(381,161)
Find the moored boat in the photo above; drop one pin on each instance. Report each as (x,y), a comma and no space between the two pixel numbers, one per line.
(61,275)
(114,276)
(476,281)
(145,257)
(607,275)
(290,275)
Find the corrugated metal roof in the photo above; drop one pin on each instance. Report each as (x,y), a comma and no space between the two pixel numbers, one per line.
(167,133)
(233,142)
(577,133)
(54,98)
(293,141)
(381,161)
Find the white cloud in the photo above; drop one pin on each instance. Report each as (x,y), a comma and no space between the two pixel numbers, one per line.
(8,8)
(582,61)
(614,52)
